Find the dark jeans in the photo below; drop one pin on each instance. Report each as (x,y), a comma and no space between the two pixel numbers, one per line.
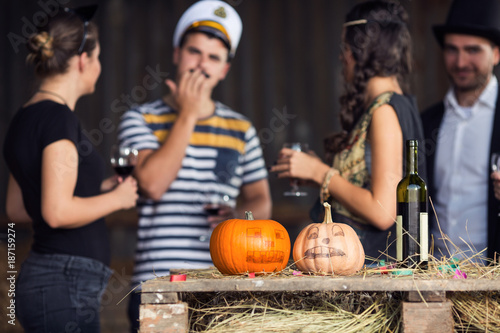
(60,293)
(133,310)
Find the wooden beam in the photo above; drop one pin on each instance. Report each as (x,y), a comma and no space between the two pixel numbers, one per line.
(159,298)
(430,317)
(315,283)
(426,296)
(164,318)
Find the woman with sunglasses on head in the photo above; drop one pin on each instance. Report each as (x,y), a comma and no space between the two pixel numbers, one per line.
(364,163)
(56,182)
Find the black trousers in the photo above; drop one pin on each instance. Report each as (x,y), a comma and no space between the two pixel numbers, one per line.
(133,310)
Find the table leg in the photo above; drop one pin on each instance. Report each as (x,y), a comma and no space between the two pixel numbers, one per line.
(427,312)
(163,312)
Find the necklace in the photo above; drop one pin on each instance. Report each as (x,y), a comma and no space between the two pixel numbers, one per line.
(53,94)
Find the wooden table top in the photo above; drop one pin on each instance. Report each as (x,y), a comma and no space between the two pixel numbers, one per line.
(213,281)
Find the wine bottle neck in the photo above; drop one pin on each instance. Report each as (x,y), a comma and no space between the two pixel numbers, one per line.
(411,157)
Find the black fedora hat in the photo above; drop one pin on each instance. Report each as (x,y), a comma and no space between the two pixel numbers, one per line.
(472,17)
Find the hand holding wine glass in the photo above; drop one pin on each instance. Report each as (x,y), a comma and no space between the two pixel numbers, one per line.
(217,210)
(126,192)
(294,191)
(123,160)
(495,169)
(495,162)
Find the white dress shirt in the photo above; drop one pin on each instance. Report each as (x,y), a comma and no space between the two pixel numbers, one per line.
(461,174)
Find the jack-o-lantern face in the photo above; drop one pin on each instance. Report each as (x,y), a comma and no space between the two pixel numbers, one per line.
(328,247)
(271,253)
(319,240)
(239,246)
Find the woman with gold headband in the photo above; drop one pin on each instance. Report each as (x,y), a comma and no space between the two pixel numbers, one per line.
(56,183)
(364,162)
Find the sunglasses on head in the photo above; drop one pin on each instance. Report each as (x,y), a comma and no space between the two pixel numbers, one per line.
(85,13)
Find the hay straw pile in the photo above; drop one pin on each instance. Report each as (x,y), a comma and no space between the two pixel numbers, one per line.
(336,311)
(295,312)
(476,312)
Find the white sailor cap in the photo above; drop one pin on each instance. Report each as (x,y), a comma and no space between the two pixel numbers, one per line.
(216,17)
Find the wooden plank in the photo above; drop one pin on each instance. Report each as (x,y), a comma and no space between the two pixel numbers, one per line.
(432,317)
(159,298)
(426,296)
(315,283)
(164,318)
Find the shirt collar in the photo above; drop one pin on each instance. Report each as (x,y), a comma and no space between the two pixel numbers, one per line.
(488,97)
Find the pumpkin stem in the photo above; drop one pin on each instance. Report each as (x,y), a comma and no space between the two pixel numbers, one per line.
(249,215)
(328,213)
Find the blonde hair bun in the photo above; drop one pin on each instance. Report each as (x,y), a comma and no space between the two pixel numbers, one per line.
(40,47)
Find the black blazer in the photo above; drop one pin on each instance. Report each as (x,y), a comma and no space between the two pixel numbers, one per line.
(431,120)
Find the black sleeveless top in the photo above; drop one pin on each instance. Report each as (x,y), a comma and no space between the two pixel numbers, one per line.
(31,130)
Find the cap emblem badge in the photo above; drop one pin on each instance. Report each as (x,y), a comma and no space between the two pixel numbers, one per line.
(220,12)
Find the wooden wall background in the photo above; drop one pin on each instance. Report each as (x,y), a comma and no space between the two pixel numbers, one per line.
(287,63)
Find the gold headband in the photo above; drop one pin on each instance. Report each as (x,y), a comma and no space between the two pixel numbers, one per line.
(356,22)
(211,24)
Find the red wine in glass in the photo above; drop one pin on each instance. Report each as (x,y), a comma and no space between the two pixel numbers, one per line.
(123,160)
(216,201)
(212,210)
(124,171)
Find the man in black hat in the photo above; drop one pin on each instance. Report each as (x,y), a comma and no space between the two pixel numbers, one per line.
(463,131)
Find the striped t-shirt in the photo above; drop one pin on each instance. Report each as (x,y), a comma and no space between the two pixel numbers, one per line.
(223,154)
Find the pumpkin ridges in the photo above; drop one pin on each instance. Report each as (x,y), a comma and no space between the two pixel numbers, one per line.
(231,232)
(227,235)
(220,231)
(214,246)
(240,267)
(234,235)
(297,256)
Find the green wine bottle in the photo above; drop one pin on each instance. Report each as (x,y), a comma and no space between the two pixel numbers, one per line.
(412,227)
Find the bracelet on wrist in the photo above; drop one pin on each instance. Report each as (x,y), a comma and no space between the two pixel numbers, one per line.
(324,193)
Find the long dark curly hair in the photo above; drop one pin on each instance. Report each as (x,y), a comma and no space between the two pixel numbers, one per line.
(378,37)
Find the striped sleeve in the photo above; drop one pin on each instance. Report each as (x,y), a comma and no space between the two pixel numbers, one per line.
(254,167)
(134,132)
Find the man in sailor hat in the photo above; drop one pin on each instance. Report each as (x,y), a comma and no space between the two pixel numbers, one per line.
(191,149)
(463,131)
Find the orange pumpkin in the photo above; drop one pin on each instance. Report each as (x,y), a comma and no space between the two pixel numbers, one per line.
(328,247)
(239,246)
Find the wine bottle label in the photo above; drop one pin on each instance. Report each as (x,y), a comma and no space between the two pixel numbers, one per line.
(412,242)
(399,238)
(424,236)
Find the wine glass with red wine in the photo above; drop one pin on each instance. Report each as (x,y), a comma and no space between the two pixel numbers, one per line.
(495,164)
(294,191)
(123,160)
(215,201)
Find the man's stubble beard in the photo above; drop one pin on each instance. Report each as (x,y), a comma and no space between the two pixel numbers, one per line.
(477,85)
